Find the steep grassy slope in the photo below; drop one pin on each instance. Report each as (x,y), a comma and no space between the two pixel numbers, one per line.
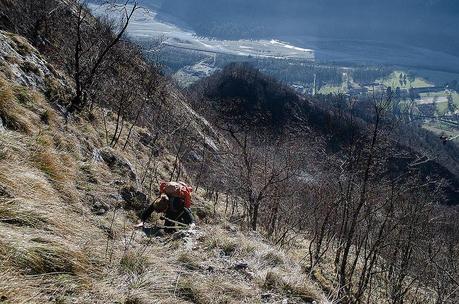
(65,231)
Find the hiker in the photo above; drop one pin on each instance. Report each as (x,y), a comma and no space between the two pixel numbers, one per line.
(175,202)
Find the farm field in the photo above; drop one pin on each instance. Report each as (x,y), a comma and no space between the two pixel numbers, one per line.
(442,129)
(331,89)
(394,80)
(441,99)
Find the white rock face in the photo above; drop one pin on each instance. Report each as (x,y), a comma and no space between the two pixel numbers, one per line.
(23,62)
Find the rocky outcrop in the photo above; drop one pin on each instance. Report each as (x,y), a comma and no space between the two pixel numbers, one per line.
(22,63)
(117,163)
(134,199)
(4,192)
(97,204)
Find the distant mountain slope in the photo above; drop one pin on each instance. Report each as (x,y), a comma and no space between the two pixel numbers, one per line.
(431,24)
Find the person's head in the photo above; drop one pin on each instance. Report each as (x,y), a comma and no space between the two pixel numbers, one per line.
(162,203)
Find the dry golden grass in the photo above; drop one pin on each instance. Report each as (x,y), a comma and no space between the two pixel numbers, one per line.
(14,116)
(41,236)
(226,244)
(291,285)
(24,110)
(12,286)
(213,290)
(48,163)
(46,257)
(5,70)
(133,263)
(268,268)
(16,212)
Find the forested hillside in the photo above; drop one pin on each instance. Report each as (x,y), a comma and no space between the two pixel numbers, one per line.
(359,194)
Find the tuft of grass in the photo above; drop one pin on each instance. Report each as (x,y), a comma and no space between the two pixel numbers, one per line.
(5,70)
(44,140)
(48,258)
(6,95)
(11,212)
(47,162)
(14,116)
(60,167)
(274,281)
(13,60)
(55,91)
(22,46)
(188,261)
(187,289)
(4,251)
(3,153)
(133,263)
(23,95)
(273,258)
(247,247)
(302,291)
(10,286)
(29,67)
(133,300)
(227,245)
(212,290)
(324,283)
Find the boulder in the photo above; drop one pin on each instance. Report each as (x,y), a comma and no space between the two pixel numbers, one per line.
(117,163)
(4,192)
(100,208)
(193,156)
(134,199)
(146,138)
(96,204)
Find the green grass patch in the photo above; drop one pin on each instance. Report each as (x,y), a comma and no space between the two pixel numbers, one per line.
(331,89)
(393,80)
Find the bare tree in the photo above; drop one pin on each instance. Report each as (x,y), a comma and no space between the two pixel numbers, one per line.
(93,41)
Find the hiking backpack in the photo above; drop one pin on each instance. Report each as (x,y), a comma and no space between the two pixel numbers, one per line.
(177,189)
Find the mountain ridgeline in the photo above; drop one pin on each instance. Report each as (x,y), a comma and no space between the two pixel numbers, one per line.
(242,98)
